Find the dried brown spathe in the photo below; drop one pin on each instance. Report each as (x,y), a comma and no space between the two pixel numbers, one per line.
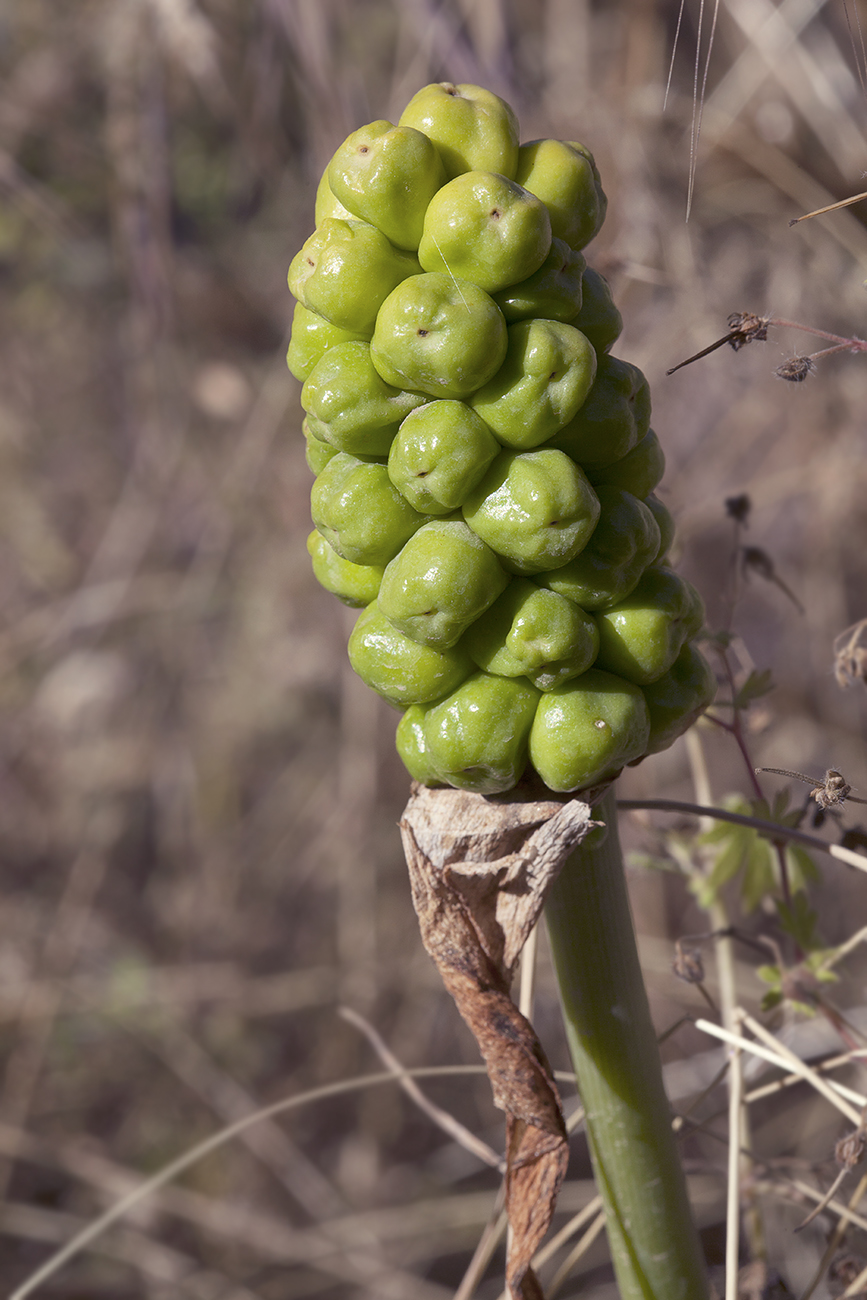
(480,870)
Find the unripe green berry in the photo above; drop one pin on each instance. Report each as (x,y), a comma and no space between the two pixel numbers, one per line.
(357,510)
(624,543)
(530,632)
(641,636)
(387,175)
(327,205)
(638,472)
(350,405)
(554,292)
(346,270)
(545,378)
(615,416)
(442,580)
(413,749)
(598,317)
(564,176)
(439,335)
(477,736)
(441,452)
(664,520)
(587,730)
(355,584)
(318,453)
(472,128)
(676,699)
(400,669)
(484,228)
(536,509)
(312,336)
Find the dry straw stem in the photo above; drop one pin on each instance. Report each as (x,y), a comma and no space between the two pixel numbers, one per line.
(733,1201)
(777,1054)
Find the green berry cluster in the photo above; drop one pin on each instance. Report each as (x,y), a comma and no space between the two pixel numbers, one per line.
(485,469)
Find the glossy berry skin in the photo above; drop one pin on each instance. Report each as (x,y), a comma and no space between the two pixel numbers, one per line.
(442,580)
(442,450)
(312,336)
(399,669)
(564,176)
(318,453)
(349,404)
(413,749)
(677,698)
(439,336)
(586,730)
(624,543)
(472,128)
(355,584)
(598,316)
(536,509)
(665,523)
(638,472)
(477,736)
(613,419)
(547,373)
(346,270)
(387,175)
(327,205)
(641,636)
(534,633)
(358,511)
(554,292)
(484,228)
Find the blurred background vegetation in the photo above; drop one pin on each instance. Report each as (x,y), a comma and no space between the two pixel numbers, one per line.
(199,862)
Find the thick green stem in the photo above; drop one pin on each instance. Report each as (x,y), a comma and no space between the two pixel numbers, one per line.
(654,1245)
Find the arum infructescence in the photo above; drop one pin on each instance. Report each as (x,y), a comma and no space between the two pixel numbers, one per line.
(485,495)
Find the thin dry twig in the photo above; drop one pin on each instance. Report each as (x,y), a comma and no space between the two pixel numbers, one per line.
(449,1125)
(771,829)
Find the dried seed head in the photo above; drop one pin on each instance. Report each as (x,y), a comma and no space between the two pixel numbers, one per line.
(850,655)
(738,508)
(688,965)
(747,328)
(796,369)
(845,1268)
(849,1151)
(755,560)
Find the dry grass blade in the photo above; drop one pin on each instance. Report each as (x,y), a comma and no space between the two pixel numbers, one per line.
(171,1171)
(581,1249)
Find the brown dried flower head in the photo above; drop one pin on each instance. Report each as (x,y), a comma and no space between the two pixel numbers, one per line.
(688,965)
(746,328)
(796,369)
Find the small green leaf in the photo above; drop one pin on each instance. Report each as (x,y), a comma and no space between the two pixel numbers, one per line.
(771,1000)
(799,921)
(758,879)
(756,685)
